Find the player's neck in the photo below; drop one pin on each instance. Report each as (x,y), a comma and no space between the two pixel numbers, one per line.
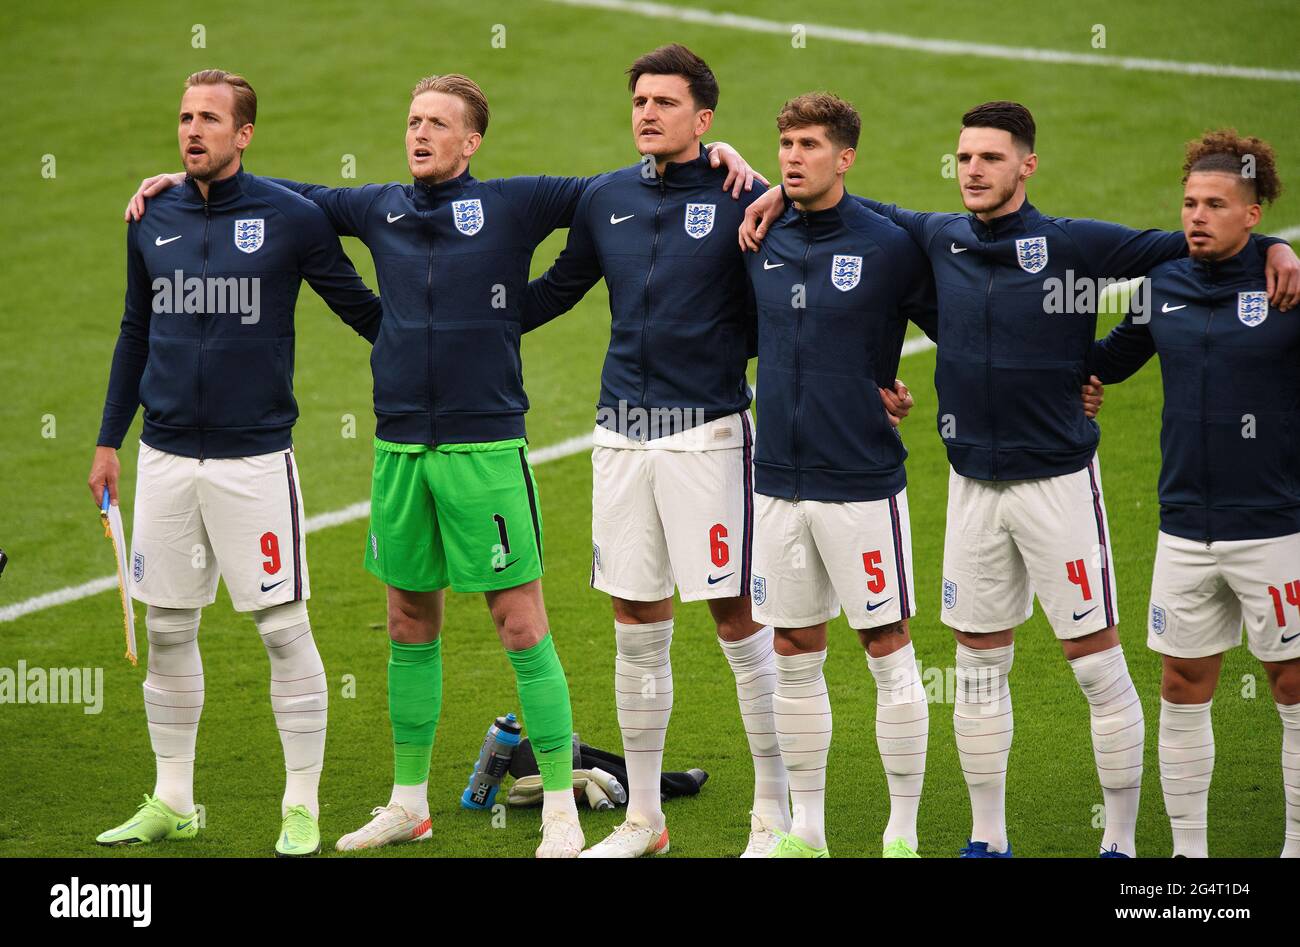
(1016,202)
(826,200)
(1229,253)
(451,175)
(229,172)
(689,153)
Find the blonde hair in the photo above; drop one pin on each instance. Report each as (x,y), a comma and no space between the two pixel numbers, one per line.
(245,98)
(465,89)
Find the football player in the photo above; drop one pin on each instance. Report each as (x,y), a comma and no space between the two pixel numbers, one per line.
(672,458)
(207,346)
(1228,550)
(835,285)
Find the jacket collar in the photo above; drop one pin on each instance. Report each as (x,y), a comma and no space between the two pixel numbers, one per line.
(822,223)
(433,196)
(1245,263)
(691,173)
(220,193)
(1008,225)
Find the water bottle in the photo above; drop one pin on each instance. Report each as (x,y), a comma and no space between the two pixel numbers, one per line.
(492,763)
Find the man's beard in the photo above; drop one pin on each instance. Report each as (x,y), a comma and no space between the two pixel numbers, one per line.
(1000,200)
(217,165)
(437,174)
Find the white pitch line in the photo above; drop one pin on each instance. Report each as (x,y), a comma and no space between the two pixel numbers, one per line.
(939,47)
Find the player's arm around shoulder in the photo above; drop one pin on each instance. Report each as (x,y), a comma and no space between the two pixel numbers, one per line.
(322,262)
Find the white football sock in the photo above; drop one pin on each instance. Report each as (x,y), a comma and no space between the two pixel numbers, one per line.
(414,799)
(1118,736)
(801,707)
(559,800)
(902,730)
(982,721)
(1186,766)
(753,662)
(1290,714)
(643,687)
(299,698)
(173,701)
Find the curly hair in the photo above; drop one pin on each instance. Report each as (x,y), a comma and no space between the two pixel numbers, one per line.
(1227,152)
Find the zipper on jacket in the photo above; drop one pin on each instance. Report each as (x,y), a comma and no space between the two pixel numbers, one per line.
(1205,438)
(988,378)
(203,324)
(428,386)
(645,316)
(798,380)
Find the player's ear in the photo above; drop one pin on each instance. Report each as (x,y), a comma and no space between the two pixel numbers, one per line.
(1253,215)
(847,157)
(471,144)
(244,137)
(1028,166)
(703,122)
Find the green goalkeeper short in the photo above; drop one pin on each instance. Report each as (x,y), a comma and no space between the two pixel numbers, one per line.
(464,515)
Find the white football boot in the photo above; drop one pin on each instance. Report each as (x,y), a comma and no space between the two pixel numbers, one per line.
(561,836)
(391,824)
(762,840)
(632,839)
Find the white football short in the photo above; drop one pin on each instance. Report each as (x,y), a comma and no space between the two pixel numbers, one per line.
(1202,595)
(810,556)
(673,512)
(238,518)
(1009,539)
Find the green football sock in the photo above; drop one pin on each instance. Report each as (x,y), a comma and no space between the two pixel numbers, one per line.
(544,701)
(414,701)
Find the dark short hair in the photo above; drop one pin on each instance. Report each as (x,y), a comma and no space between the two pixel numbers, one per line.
(839,118)
(676,60)
(1010,117)
(1226,152)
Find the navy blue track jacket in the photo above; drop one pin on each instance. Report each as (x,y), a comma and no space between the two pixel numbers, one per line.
(215,377)
(1230,430)
(1009,372)
(452,260)
(834,290)
(681,330)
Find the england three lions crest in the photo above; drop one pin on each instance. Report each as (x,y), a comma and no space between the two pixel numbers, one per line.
(468,216)
(699,219)
(845,272)
(1031,254)
(1252,308)
(249,234)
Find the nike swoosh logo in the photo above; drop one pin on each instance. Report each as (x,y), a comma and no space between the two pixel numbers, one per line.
(872,606)
(1285,639)
(267,588)
(1078,617)
(504,567)
(184,825)
(713,581)
(159,241)
(619,220)
(957,249)
(769,265)
(391,218)
(1168,308)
